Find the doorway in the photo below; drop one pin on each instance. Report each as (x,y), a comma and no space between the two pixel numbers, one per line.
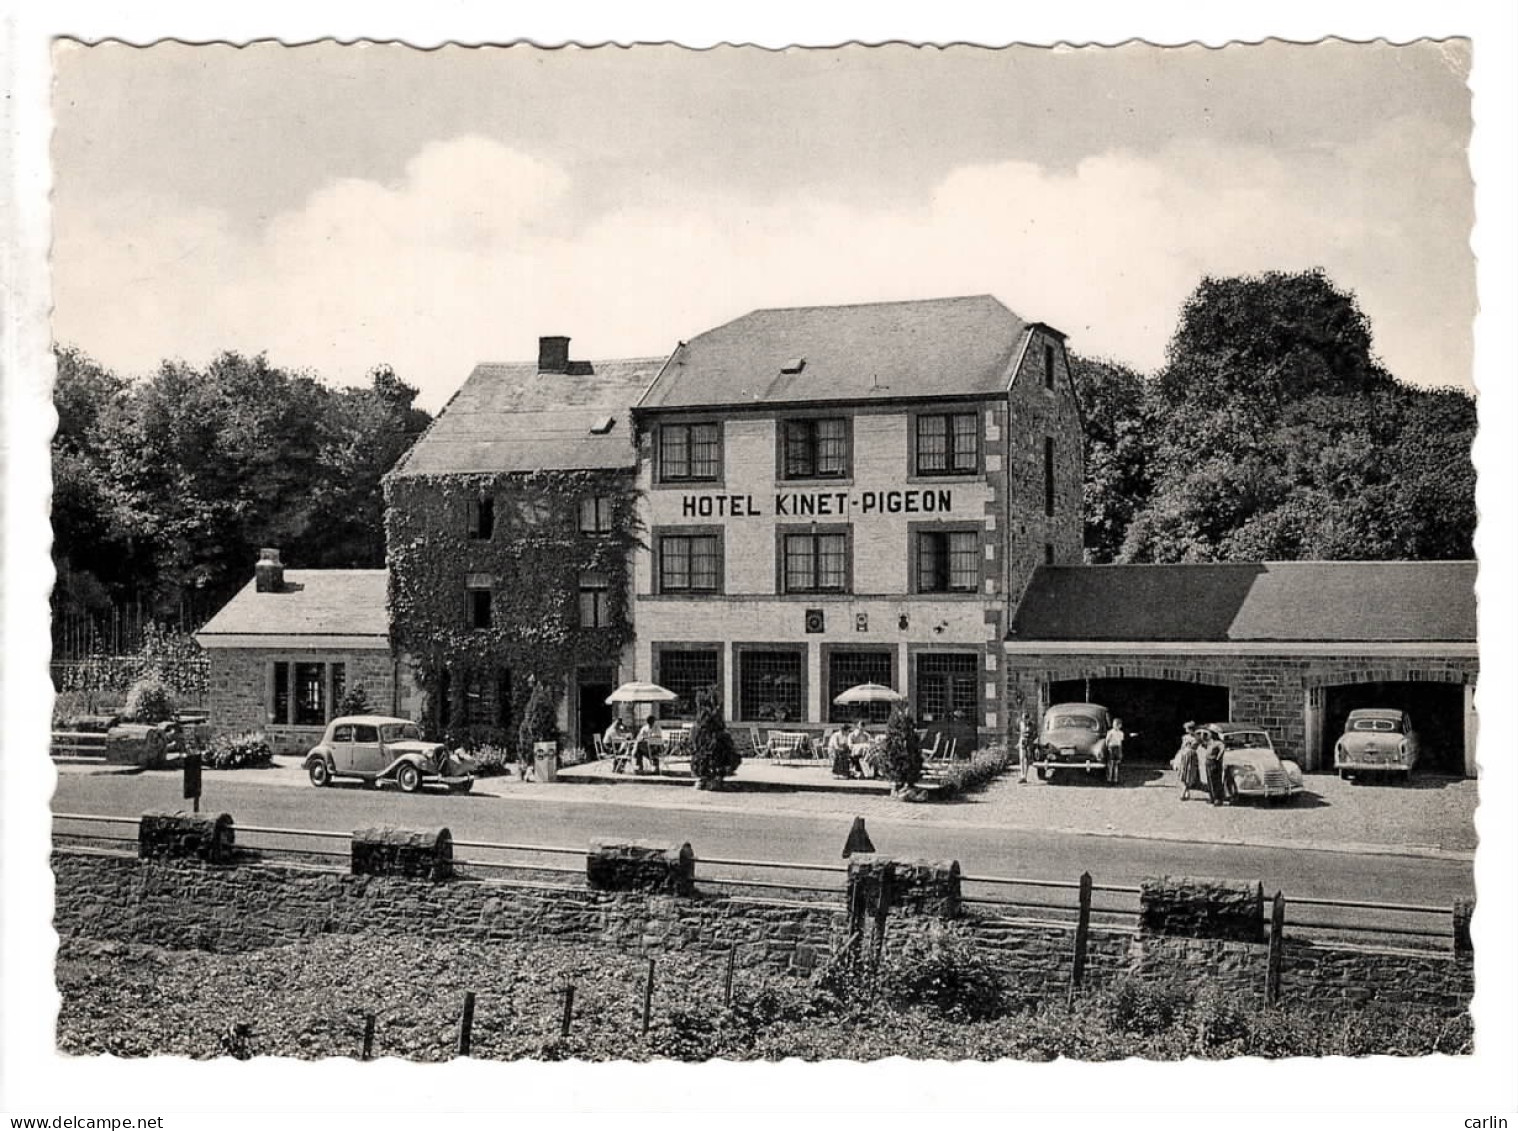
(593,714)
(1153,710)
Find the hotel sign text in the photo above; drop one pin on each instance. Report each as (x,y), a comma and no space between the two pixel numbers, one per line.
(820,504)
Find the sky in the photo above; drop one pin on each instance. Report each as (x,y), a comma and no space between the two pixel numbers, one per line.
(339,207)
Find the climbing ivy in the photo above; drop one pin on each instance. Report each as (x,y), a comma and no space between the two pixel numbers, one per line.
(536,555)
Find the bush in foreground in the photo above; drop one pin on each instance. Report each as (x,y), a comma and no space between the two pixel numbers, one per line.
(983,767)
(238,751)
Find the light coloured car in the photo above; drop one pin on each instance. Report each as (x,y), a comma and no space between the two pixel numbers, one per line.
(1073,737)
(1377,740)
(1251,766)
(377,749)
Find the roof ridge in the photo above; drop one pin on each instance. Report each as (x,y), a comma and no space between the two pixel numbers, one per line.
(860,305)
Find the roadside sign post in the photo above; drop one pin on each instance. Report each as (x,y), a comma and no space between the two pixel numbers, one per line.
(192,779)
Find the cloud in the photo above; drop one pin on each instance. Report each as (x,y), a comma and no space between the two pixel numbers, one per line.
(478,249)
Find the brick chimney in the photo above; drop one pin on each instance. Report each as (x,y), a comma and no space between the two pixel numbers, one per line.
(268,572)
(553,355)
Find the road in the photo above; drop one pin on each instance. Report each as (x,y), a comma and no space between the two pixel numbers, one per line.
(751,829)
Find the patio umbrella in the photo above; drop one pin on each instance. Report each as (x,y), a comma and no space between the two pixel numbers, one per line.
(638,692)
(869,693)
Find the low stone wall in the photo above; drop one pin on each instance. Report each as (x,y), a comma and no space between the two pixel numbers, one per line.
(419,854)
(185,904)
(199,836)
(1202,909)
(669,869)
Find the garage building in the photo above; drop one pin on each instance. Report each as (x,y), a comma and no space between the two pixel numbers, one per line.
(1292,646)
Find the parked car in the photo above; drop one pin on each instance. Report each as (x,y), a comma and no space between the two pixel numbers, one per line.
(1251,766)
(1074,737)
(1377,740)
(376,749)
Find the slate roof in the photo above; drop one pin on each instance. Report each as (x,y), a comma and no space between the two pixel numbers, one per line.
(510,417)
(314,602)
(926,348)
(1349,602)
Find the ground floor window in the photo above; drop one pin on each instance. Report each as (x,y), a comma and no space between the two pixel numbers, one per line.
(685,673)
(305,692)
(849,669)
(946,683)
(772,685)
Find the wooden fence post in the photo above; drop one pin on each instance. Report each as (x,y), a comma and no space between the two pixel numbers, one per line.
(1460,916)
(569,1009)
(648,997)
(1082,933)
(727,988)
(466,1023)
(368,1036)
(1277,943)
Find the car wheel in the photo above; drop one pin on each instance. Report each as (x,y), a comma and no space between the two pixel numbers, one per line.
(1230,790)
(409,778)
(1343,775)
(1042,772)
(320,773)
(463,787)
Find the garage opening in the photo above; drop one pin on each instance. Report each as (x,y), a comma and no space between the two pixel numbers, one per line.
(1437,710)
(1152,710)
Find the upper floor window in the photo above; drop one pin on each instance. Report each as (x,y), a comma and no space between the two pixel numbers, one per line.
(816,563)
(690,452)
(595,514)
(482,518)
(815,449)
(690,563)
(948,561)
(948,443)
(477,608)
(1048,366)
(1049,476)
(594,591)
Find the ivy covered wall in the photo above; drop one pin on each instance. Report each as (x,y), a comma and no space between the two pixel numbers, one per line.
(532,563)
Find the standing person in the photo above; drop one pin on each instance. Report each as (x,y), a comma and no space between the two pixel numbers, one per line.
(1024,746)
(1115,736)
(1212,760)
(1186,763)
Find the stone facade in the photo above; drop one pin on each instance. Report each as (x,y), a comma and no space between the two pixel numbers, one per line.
(242,689)
(181,904)
(1270,688)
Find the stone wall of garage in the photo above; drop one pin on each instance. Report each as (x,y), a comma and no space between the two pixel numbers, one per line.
(185,904)
(1269,689)
(238,699)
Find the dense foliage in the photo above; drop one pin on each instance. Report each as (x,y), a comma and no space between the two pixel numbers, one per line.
(931,1001)
(982,768)
(164,489)
(535,559)
(149,701)
(901,749)
(713,753)
(539,721)
(238,751)
(1273,433)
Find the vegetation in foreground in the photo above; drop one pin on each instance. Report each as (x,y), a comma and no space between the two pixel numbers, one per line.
(929,999)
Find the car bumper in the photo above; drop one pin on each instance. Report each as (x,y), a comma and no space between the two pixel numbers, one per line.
(1371,765)
(1072,764)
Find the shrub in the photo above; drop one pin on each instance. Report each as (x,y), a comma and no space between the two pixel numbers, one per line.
(713,753)
(539,721)
(491,761)
(947,972)
(1144,1008)
(238,751)
(355,701)
(983,767)
(901,751)
(149,701)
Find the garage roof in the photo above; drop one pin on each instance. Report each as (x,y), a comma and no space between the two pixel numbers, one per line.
(1380,602)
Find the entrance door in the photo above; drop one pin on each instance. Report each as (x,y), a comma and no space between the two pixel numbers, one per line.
(1470,730)
(1312,720)
(594,713)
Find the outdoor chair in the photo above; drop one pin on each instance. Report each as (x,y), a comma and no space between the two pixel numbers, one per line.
(756,740)
(788,743)
(600,746)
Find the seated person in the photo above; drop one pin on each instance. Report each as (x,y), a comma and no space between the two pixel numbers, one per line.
(840,749)
(649,744)
(616,740)
(859,747)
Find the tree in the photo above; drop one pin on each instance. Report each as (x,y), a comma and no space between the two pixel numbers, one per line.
(539,721)
(901,749)
(1118,451)
(713,755)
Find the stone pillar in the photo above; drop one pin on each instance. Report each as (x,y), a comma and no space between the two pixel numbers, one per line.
(421,854)
(666,869)
(914,887)
(1202,908)
(206,837)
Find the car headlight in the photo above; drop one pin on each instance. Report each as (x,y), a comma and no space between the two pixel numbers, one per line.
(1293,772)
(1246,778)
